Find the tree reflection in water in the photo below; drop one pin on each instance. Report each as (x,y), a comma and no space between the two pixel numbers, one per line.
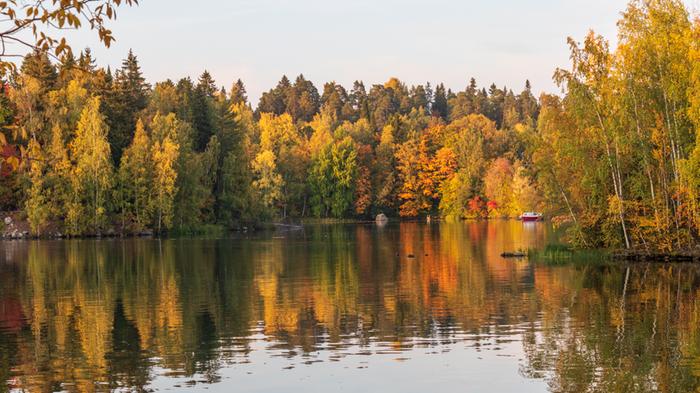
(98,315)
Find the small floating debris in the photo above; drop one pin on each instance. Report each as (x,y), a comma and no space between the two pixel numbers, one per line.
(515,254)
(411,256)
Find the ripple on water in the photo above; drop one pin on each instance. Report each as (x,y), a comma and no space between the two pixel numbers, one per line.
(334,306)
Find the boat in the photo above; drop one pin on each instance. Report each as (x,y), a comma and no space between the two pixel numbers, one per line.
(530,217)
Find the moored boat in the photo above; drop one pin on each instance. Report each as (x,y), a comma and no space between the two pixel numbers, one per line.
(530,216)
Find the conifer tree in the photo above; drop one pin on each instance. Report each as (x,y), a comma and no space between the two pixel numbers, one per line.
(439,107)
(202,98)
(238,93)
(127,98)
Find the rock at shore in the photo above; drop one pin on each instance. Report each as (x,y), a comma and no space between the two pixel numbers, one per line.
(381,219)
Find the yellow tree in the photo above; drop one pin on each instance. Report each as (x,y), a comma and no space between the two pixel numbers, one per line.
(60,169)
(92,170)
(524,193)
(279,135)
(136,180)
(498,187)
(691,166)
(36,204)
(268,182)
(165,155)
(322,136)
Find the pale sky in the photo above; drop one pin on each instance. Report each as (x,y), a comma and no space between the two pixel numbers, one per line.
(501,41)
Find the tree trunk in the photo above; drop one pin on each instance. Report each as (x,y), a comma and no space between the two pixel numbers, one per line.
(615,172)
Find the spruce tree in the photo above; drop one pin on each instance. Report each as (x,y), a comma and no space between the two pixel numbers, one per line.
(202,98)
(128,97)
(439,106)
(238,93)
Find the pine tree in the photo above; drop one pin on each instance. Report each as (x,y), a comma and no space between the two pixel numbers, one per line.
(128,97)
(238,93)
(232,185)
(185,92)
(275,100)
(359,102)
(528,105)
(305,98)
(86,62)
(202,99)
(38,66)
(439,106)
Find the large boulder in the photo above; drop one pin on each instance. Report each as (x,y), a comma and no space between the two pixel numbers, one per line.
(381,219)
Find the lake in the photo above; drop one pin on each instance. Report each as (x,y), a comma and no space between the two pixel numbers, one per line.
(409,307)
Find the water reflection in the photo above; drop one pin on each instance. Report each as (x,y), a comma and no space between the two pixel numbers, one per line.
(102,315)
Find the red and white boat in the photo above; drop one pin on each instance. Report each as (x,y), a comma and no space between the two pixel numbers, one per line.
(530,217)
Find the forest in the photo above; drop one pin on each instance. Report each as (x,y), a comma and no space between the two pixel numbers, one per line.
(614,158)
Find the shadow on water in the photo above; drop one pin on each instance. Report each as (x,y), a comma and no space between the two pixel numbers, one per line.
(100,315)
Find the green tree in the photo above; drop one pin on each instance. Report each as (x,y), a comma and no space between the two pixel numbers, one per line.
(128,97)
(233,185)
(332,177)
(439,106)
(201,109)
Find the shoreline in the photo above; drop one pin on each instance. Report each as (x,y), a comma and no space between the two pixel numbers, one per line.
(14,229)
(685,255)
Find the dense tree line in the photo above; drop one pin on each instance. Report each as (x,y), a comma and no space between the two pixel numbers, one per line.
(614,157)
(106,149)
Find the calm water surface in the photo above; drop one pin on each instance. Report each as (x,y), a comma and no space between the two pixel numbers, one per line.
(344,308)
